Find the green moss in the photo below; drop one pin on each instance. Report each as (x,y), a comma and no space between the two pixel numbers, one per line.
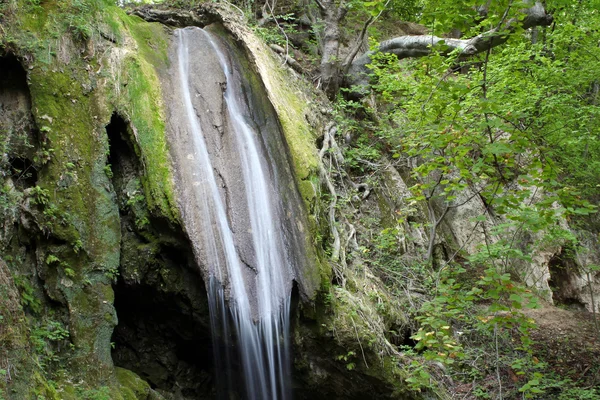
(307,190)
(81,207)
(35,18)
(68,392)
(151,40)
(291,105)
(108,293)
(84,208)
(132,387)
(14,344)
(147,117)
(42,389)
(135,93)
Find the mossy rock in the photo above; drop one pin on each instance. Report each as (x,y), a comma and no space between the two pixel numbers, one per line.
(132,387)
(67,49)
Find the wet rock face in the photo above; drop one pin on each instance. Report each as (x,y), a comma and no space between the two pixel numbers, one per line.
(18,143)
(18,137)
(39,238)
(207,81)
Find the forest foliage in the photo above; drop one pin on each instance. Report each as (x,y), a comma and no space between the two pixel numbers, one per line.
(517,126)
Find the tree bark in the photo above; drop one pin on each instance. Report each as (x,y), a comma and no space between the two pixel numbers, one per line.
(330,67)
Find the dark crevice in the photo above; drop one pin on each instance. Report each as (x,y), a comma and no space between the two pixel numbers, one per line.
(19,136)
(294,301)
(319,142)
(564,291)
(23,172)
(163,338)
(403,337)
(121,160)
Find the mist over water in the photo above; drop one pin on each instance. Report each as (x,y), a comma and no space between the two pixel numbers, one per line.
(250,303)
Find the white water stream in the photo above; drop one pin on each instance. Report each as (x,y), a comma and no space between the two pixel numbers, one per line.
(261,324)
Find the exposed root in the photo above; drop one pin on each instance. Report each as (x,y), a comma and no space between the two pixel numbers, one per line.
(328,143)
(359,293)
(287,58)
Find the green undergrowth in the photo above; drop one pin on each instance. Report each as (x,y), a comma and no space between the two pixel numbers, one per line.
(453,134)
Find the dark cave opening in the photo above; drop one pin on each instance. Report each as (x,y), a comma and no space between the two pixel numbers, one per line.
(164,339)
(23,172)
(14,92)
(120,148)
(562,269)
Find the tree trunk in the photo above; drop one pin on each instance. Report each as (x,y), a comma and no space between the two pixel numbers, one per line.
(330,67)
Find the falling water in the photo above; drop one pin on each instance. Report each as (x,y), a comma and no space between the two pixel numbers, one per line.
(258,296)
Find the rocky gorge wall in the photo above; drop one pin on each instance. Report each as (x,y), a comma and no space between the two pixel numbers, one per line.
(61,171)
(104,295)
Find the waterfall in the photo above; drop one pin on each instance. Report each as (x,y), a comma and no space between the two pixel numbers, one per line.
(248,302)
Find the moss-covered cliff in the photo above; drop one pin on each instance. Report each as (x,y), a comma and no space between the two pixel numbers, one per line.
(71,71)
(95,266)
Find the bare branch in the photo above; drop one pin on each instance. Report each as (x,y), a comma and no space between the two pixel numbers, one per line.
(358,43)
(420,46)
(291,61)
(320,5)
(361,38)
